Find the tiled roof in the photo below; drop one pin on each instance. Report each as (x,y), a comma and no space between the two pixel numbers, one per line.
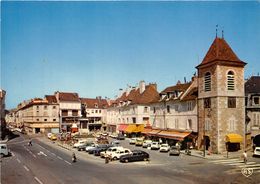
(221,51)
(94,103)
(177,87)
(192,95)
(71,97)
(252,85)
(150,94)
(51,99)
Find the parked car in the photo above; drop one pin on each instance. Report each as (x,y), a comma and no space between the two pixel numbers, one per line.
(49,135)
(256,152)
(147,143)
(120,137)
(98,150)
(132,140)
(83,146)
(155,145)
(164,148)
(79,143)
(4,150)
(116,155)
(91,146)
(115,142)
(136,155)
(53,137)
(139,142)
(106,153)
(174,150)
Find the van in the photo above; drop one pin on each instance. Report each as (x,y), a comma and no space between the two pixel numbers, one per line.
(4,151)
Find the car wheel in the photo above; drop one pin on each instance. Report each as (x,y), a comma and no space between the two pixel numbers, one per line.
(115,158)
(126,160)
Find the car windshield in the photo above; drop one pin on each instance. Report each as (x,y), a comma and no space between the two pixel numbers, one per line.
(164,145)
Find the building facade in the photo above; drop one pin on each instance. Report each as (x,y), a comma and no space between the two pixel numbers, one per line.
(132,108)
(252,100)
(221,103)
(2,104)
(94,113)
(69,110)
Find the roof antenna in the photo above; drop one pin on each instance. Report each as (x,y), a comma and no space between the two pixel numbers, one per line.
(216,30)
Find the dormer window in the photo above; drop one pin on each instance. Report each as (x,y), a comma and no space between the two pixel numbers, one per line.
(207,82)
(230,81)
(96,106)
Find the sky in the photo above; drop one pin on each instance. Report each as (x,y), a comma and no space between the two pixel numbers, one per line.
(96,48)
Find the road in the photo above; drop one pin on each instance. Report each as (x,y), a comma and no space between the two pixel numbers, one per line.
(45,162)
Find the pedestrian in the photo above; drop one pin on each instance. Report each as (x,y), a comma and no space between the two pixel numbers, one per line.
(245,157)
(30,142)
(74,158)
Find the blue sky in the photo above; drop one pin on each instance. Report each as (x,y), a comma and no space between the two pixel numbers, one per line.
(95,48)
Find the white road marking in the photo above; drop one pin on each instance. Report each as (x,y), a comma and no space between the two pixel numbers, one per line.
(41,153)
(18,160)
(37,179)
(241,163)
(60,158)
(26,168)
(226,160)
(67,162)
(13,154)
(254,165)
(34,155)
(53,154)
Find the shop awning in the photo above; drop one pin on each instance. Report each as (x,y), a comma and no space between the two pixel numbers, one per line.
(173,134)
(122,127)
(153,132)
(146,130)
(234,138)
(130,128)
(139,128)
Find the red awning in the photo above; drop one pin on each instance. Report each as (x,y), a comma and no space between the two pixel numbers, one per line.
(122,127)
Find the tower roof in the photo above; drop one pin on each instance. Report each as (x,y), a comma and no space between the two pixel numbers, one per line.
(222,53)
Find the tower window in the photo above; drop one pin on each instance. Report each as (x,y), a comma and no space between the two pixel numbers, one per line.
(231,102)
(207,103)
(207,82)
(230,81)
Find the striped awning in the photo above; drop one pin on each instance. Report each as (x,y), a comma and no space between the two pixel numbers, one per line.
(153,132)
(173,134)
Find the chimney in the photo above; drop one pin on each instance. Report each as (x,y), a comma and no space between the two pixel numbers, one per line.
(142,86)
(128,89)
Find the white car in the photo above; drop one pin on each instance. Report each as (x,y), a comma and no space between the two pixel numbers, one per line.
(116,155)
(256,151)
(164,148)
(93,145)
(79,143)
(155,145)
(147,143)
(49,135)
(109,151)
(4,150)
(132,140)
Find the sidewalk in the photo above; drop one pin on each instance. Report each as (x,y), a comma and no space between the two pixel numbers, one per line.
(231,155)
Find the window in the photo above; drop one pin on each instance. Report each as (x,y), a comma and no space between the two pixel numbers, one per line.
(99,111)
(189,124)
(207,82)
(231,125)
(54,107)
(207,125)
(96,106)
(189,106)
(64,112)
(230,81)
(96,111)
(207,103)
(74,113)
(45,107)
(145,109)
(37,107)
(54,119)
(256,100)
(154,110)
(134,120)
(37,120)
(168,109)
(256,119)
(231,102)
(45,119)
